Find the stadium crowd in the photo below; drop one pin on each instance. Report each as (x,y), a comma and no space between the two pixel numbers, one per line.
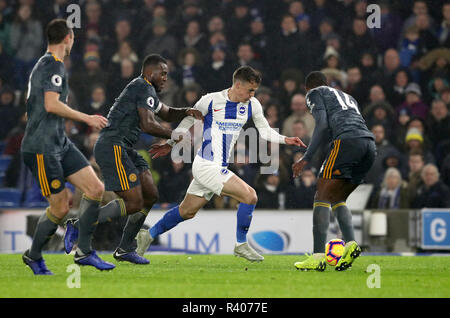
(398,73)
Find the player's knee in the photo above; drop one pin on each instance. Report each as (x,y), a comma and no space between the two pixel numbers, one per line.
(187,213)
(134,205)
(251,197)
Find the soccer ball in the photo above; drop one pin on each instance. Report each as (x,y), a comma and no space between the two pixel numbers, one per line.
(334,249)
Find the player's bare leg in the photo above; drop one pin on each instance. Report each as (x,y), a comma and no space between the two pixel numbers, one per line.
(236,188)
(187,209)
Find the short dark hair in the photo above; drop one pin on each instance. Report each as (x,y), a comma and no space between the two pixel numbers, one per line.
(315,79)
(57,30)
(247,74)
(153,59)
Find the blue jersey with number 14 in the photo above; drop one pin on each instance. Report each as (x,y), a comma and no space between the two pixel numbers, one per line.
(342,113)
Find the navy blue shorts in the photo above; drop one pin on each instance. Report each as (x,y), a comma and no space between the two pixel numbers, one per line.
(349,159)
(120,166)
(51,170)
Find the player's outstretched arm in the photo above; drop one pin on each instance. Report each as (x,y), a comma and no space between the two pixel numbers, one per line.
(55,106)
(171,114)
(150,125)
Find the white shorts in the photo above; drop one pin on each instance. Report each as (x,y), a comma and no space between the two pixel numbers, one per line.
(209,178)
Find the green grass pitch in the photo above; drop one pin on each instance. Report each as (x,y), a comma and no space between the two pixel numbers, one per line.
(225,276)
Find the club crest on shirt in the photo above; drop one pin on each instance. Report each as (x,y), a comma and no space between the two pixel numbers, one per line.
(55,184)
(57,80)
(242,110)
(132,177)
(150,101)
(224,171)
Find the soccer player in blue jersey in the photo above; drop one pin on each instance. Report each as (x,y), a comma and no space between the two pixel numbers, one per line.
(124,170)
(349,158)
(53,158)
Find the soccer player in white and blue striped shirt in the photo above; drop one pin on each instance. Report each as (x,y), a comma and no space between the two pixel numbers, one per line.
(225,113)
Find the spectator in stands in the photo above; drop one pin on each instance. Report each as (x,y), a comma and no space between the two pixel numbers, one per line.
(215,24)
(91,74)
(411,46)
(443,34)
(445,96)
(290,83)
(188,11)
(357,86)
(401,81)
(194,37)
(299,111)
(387,36)
(125,52)
(189,71)
(384,149)
(420,7)
(259,40)
(415,141)
(26,39)
(393,193)
(413,102)
(358,40)
(245,56)
(385,75)
(380,113)
(300,192)
(376,95)
(285,48)
(433,193)
(217,71)
(97,103)
(427,36)
(8,111)
(264,95)
(161,42)
(239,24)
(189,95)
(438,124)
(415,165)
(368,66)
(268,191)
(117,83)
(173,183)
(272,115)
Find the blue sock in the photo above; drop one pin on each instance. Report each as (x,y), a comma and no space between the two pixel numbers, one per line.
(244,218)
(168,221)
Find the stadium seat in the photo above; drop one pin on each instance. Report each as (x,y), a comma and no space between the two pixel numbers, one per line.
(4,162)
(10,197)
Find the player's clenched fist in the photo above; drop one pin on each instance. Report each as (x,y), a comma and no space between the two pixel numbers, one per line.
(97,121)
(157,151)
(298,166)
(194,113)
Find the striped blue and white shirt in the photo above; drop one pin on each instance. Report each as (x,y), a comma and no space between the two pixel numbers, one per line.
(223,122)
